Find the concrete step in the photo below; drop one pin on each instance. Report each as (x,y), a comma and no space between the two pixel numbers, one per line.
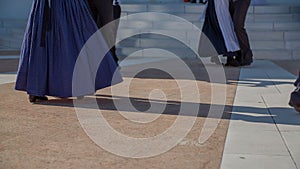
(273,18)
(151,1)
(273,47)
(278,54)
(151,53)
(178,25)
(256,31)
(194,34)
(268,45)
(11,42)
(193,17)
(198,8)
(6,51)
(259,40)
(196,18)
(293,45)
(3,31)
(16,32)
(270,40)
(13,23)
(253,2)
(169,43)
(291,35)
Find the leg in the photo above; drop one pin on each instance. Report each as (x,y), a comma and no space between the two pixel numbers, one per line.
(103,9)
(117,15)
(238,10)
(106,16)
(298,80)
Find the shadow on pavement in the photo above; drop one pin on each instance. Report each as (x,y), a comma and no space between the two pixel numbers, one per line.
(141,105)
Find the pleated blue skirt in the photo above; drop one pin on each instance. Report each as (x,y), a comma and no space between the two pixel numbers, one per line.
(52,42)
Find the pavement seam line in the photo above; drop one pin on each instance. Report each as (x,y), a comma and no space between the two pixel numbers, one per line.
(275,85)
(282,138)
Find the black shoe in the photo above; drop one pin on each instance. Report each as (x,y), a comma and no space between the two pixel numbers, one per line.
(203,1)
(33,99)
(246,63)
(295,99)
(231,62)
(244,60)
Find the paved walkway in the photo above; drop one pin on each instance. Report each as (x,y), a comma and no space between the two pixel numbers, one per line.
(49,135)
(264,132)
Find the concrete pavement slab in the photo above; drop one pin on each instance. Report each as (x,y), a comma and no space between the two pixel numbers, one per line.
(246,161)
(284,116)
(255,142)
(265,144)
(292,140)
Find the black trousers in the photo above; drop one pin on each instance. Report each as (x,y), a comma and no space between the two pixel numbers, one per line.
(298,80)
(104,13)
(116,15)
(238,10)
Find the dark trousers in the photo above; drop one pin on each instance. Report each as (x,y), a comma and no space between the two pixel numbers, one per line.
(298,80)
(238,10)
(117,15)
(103,13)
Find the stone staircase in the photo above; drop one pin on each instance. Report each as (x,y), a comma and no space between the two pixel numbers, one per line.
(273,30)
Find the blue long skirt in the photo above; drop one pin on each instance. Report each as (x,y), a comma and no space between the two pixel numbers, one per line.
(54,37)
